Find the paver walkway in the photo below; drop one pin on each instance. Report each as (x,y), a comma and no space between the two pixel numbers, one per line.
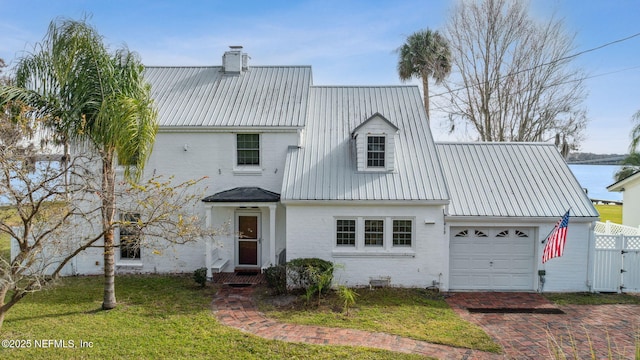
(235,307)
(582,332)
(587,330)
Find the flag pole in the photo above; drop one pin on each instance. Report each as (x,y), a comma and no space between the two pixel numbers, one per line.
(554,227)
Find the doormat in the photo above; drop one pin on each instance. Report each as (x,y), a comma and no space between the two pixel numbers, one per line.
(247,272)
(239,285)
(541,310)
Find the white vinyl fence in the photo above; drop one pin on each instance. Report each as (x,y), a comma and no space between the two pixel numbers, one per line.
(617,263)
(610,228)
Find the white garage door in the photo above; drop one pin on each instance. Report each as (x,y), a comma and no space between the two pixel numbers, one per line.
(491,259)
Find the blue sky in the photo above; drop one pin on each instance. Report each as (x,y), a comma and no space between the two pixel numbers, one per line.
(347,42)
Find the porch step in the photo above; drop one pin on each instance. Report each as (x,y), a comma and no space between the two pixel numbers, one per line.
(247,271)
(218,265)
(226,278)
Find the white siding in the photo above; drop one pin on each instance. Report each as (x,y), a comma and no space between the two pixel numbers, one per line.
(571,272)
(210,155)
(631,208)
(311,233)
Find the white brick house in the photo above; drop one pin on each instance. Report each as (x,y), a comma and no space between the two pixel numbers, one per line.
(351,174)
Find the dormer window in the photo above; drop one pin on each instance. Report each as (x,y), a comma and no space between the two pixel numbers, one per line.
(375,144)
(375,151)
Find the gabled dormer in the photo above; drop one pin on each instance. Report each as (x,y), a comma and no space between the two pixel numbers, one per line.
(375,141)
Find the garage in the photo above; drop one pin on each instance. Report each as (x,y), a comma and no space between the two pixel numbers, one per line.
(492,259)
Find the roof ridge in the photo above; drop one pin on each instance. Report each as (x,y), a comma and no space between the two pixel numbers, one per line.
(494,143)
(363,86)
(220,66)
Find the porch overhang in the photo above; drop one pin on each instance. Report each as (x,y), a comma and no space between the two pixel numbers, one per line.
(244,198)
(248,195)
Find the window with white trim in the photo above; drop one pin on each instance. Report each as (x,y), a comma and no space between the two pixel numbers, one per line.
(374,232)
(130,236)
(248,149)
(362,235)
(376,151)
(346,232)
(402,232)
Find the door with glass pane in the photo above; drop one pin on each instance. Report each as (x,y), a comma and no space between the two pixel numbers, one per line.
(248,235)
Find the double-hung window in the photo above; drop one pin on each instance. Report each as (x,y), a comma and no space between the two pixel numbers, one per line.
(345,232)
(373,232)
(130,236)
(402,232)
(248,149)
(375,151)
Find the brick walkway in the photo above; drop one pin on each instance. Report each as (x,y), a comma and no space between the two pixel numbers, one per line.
(235,307)
(523,336)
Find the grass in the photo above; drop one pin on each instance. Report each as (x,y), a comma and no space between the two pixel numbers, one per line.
(583,298)
(612,213)
(413,313)
(5,246)
(159,317)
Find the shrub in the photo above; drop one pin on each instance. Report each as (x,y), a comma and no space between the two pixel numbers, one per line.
(277,278)
(348,297)
(200,276)
(312,275)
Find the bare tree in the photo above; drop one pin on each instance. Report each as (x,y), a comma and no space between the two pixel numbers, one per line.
(515,77)
(50,221)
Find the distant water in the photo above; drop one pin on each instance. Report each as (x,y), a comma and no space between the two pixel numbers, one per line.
(596,178)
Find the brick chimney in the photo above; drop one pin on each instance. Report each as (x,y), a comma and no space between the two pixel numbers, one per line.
(234,61)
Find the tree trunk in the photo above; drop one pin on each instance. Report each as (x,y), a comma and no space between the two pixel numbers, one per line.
(108,213)
(425,90)
(3,307)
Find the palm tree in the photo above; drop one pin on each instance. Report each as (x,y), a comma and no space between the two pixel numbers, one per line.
(425,54)
(631,164)
(635,133)
(89,96)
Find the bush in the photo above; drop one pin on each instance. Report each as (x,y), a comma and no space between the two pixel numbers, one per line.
(348,297)
(200,276)
(277,278)
(312,275)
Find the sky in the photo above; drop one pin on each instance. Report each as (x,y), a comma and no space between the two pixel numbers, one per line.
(347,42)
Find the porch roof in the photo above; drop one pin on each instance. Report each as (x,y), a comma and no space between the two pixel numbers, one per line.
(244,194)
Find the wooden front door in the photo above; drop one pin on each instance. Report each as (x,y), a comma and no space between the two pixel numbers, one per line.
(248,239)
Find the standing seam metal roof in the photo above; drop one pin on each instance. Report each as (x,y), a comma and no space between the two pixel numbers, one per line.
(511,179)
(262,96)
(325,168)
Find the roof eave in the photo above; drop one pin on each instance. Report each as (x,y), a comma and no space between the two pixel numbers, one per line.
(619,186)
(324,202)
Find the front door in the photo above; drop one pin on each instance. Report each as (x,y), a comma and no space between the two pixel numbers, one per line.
(248,239)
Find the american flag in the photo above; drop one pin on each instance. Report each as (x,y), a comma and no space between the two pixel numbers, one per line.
(556,240)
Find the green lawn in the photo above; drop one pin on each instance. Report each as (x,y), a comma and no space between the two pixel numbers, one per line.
(414,313)
(159,317)
(582,298)
(5,246)
(612,213)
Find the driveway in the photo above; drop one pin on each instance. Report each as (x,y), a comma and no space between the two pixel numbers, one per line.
(581,331)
